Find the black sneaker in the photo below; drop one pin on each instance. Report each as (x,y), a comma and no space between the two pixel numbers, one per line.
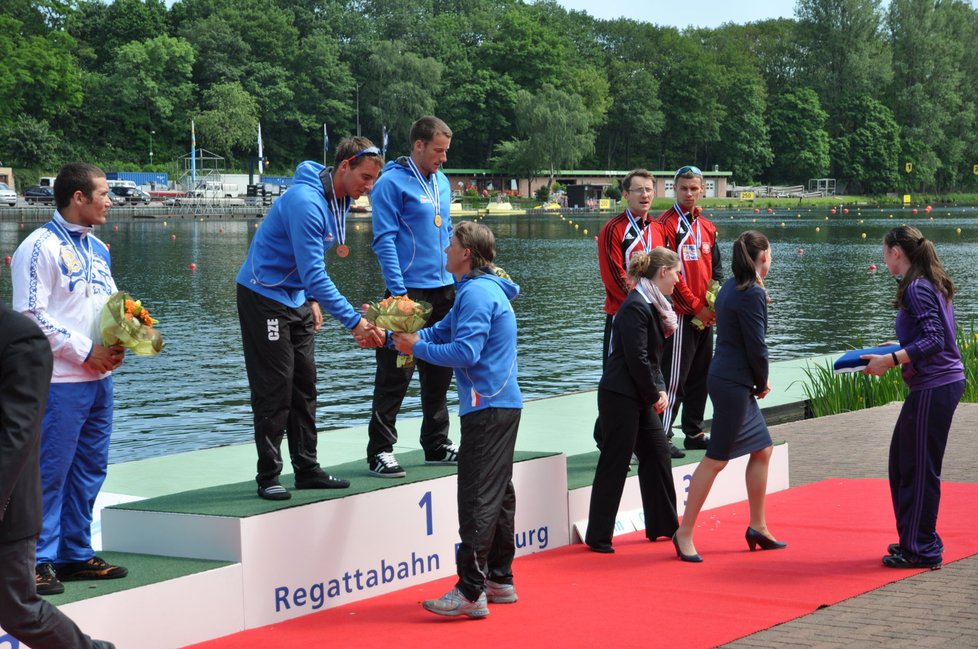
(697,442)
(94,568)
(384,465)
(46,580)
(900,561)
(273,491)
(445,454)
(320,480)
(675,453)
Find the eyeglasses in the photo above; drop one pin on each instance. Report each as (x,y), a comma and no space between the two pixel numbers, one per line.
(689,169)
(370,150)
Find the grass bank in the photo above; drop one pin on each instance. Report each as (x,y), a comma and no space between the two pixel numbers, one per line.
(829,393)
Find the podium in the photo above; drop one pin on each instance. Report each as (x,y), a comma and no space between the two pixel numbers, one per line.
(321,549)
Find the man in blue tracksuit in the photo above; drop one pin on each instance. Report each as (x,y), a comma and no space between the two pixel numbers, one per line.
(478,339)
(281,285)
(62,277)
(412,227)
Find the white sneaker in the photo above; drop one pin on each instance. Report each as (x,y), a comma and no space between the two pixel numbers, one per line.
(385,465)
(500,593)
(455,603)
(444,454)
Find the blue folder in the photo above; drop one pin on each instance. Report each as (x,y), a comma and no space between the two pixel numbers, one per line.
(850,361)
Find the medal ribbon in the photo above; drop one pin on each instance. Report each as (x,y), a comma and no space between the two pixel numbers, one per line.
(646,244)
(87,264)
(430,191)
(684,221)
(339,218)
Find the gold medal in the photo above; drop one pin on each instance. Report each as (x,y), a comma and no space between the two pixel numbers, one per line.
(437,220)
(343,250)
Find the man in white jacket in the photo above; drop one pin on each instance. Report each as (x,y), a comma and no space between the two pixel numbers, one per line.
(61,278)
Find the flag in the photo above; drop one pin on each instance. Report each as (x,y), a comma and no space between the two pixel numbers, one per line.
(261,153)
(193,155)
(325,140)
(386,139)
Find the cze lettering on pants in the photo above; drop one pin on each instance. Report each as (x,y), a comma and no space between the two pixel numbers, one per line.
(272,329)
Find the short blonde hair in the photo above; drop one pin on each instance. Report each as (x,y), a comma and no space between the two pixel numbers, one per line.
(479,240)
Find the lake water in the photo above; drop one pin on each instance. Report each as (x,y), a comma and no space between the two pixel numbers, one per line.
(195,394)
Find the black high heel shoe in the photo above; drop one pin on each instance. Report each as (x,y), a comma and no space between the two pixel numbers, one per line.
(755,538)
(692,558)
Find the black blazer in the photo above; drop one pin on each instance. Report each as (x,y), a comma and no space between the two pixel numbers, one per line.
(632,366)
(25,376)
(741,352)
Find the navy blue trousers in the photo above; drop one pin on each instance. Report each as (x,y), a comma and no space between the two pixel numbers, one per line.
(916,457)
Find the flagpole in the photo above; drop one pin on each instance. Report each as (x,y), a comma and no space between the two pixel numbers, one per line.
(193,156)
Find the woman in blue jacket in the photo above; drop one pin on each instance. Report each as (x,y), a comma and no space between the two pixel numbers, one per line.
(738,378)
(631,398)
(478,339)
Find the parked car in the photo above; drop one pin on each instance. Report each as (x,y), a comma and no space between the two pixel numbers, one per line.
(7,195)
(38,194)
(117,201)
(131,194)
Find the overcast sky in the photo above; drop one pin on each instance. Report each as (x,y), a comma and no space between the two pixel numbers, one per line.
(676,13)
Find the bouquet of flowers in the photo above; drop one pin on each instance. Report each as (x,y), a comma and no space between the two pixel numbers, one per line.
(126,322)
(712,290)
(401,314)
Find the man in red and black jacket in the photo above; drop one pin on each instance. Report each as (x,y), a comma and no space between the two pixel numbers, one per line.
(620,238)
(687,355)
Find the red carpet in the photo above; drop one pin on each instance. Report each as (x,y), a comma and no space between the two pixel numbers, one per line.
(837,530)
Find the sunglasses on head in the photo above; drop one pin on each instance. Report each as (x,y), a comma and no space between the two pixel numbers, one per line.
(688,169)
(370,150)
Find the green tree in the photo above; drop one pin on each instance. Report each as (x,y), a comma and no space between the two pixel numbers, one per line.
(148,88)
(102,28)
(228,123)
(556,127)
(868,152)
(798,137)
(635,118)
(531,52)
(30,143)
(843,49)
(745,147)
(480,107)
(398,88)
(689,99)
(38,74)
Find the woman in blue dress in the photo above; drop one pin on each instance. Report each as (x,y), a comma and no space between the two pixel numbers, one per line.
(738,378)
(931,364)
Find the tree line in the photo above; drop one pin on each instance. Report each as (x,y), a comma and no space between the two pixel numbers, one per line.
(881,98)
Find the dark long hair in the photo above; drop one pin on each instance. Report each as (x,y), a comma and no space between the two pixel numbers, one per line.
(923,259)
(746,249)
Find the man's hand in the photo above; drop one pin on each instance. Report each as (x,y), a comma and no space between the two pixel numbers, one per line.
(368,335)
(106,359)
(317,315)
(707,316)
(404,343)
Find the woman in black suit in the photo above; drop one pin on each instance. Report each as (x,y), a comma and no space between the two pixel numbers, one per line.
(738,377)
(631,395)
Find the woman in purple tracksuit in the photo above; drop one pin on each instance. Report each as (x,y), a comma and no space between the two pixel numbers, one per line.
(932,368)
